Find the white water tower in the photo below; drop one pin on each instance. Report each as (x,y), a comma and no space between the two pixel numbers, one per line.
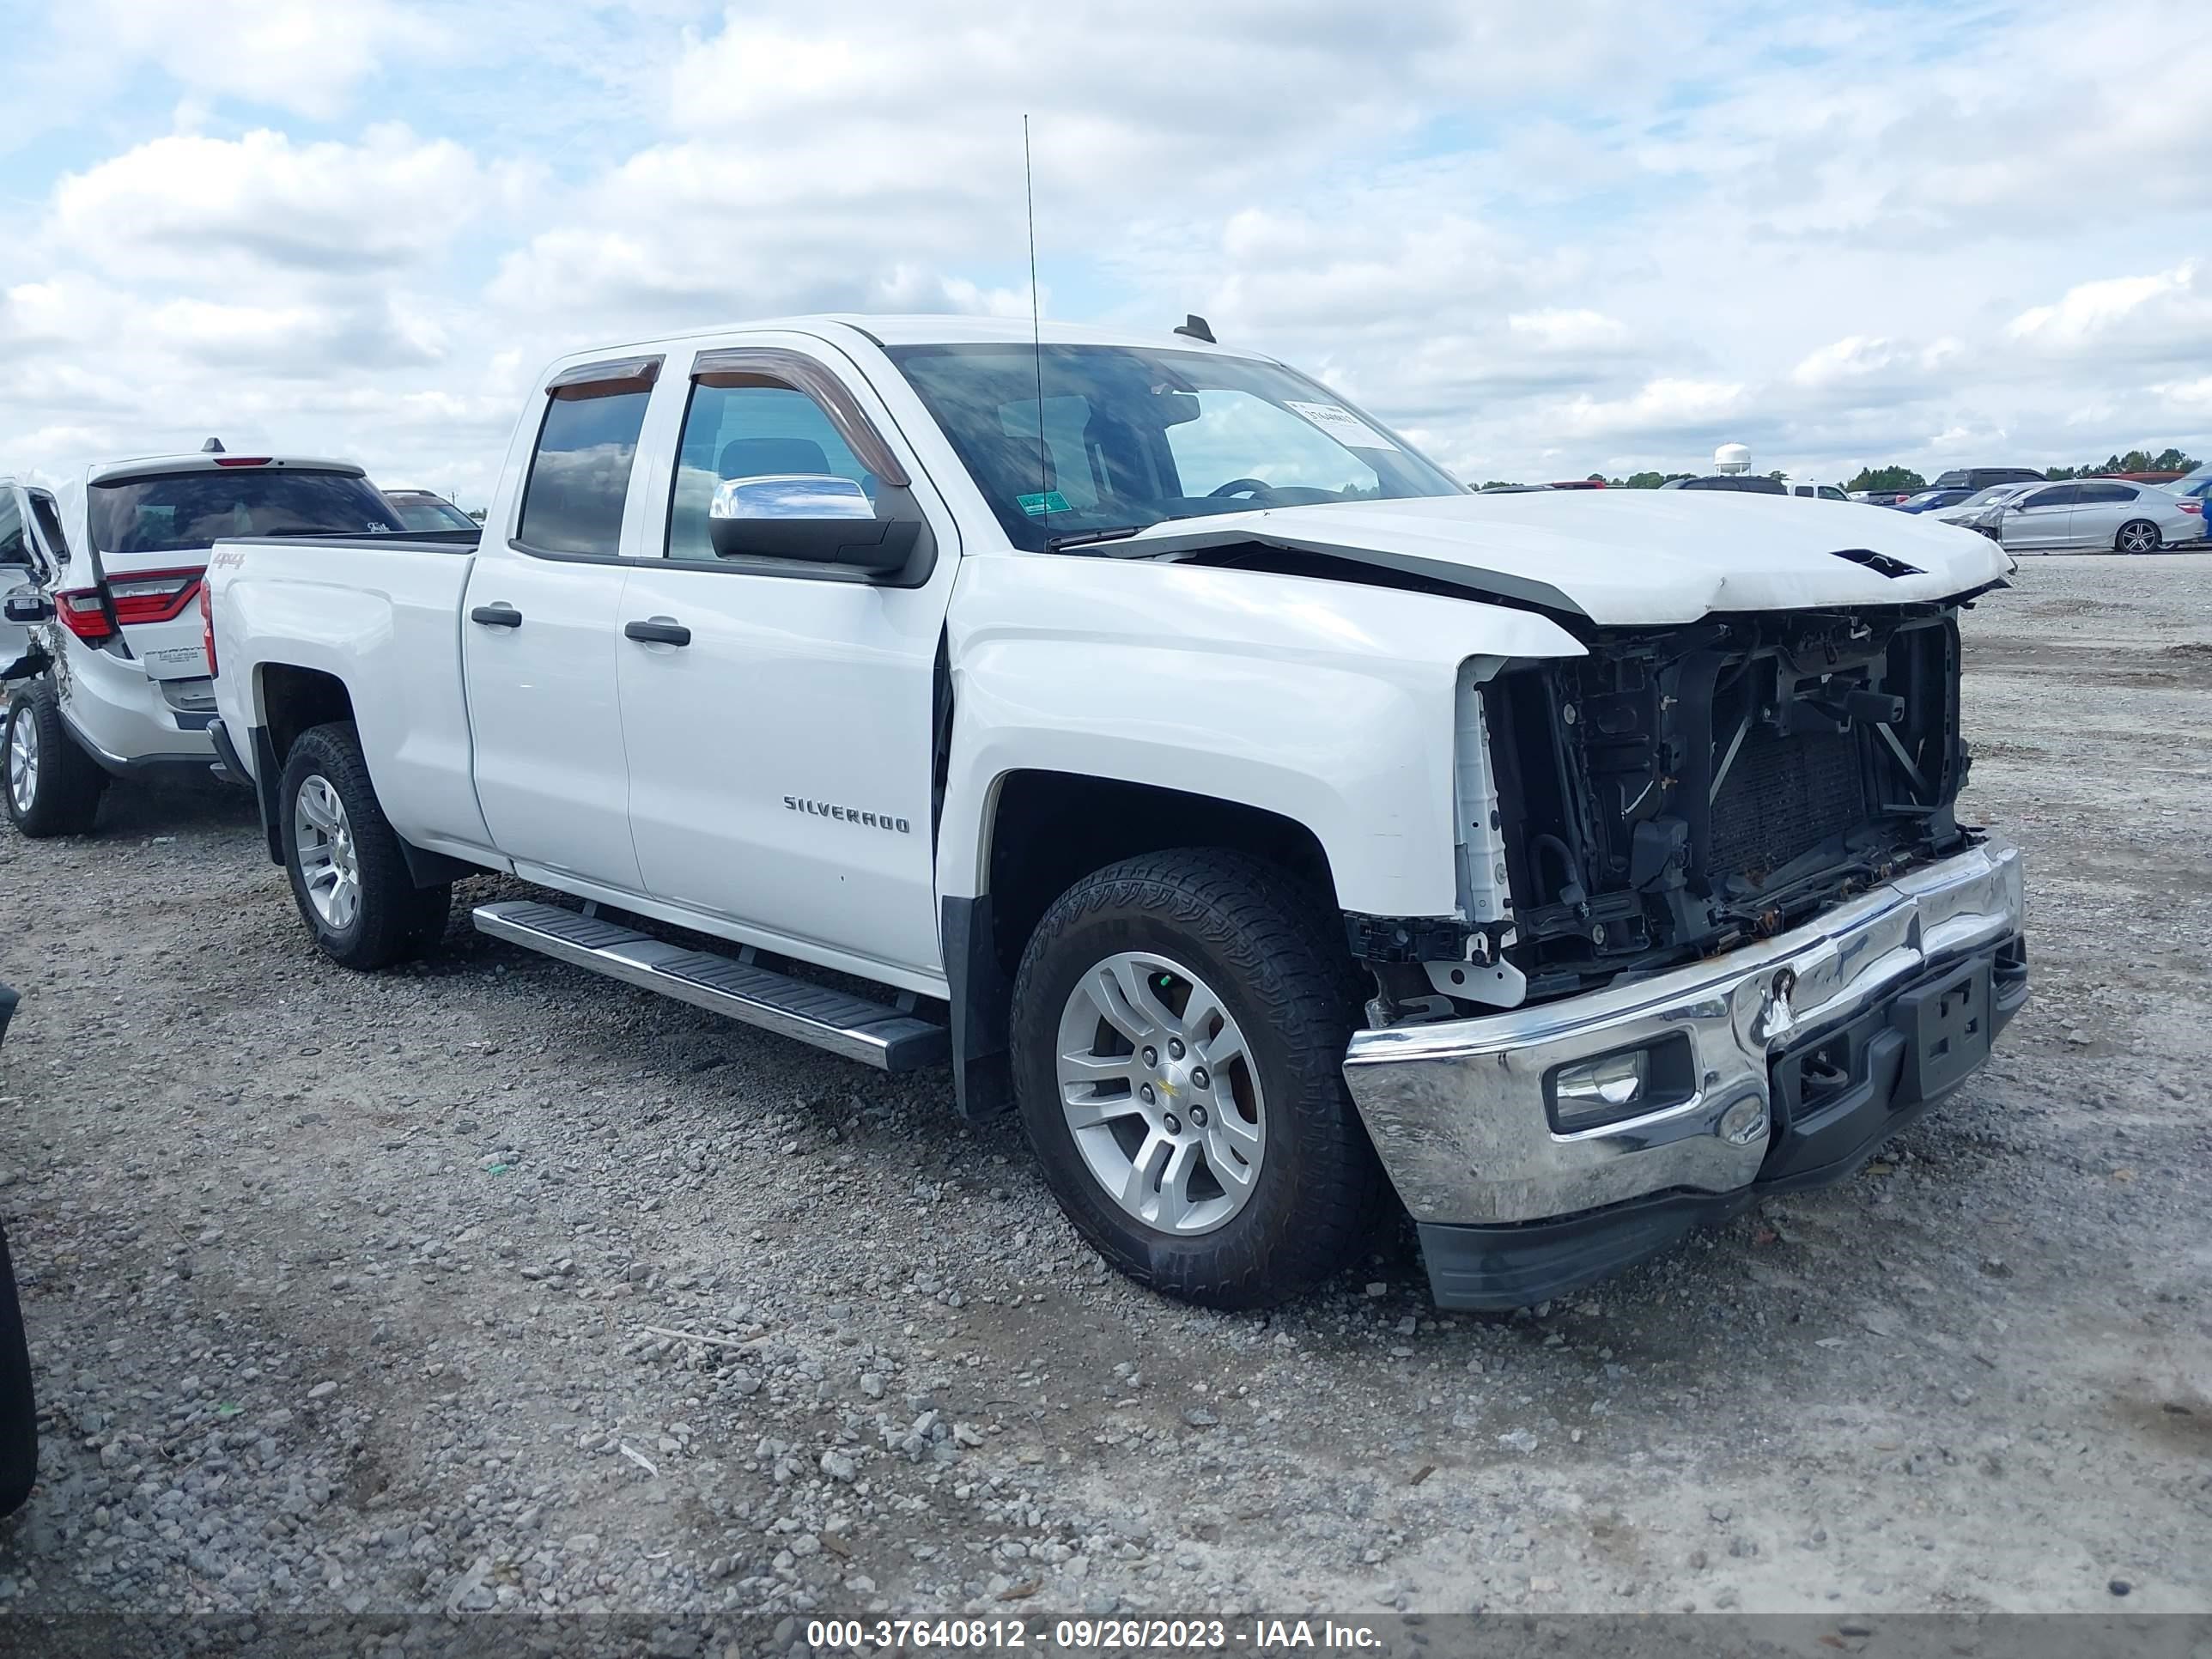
(1731,459)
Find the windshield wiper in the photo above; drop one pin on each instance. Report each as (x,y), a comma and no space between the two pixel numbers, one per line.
(1086,538)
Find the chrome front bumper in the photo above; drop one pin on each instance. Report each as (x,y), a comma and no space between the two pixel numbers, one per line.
(1456,1109)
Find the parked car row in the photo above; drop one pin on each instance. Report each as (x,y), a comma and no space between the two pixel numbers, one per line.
(982,705)
(2029,513)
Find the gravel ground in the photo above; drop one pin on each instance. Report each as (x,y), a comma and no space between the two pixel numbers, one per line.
(486,1284)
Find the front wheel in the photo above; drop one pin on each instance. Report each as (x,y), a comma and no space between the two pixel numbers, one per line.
(1179,1027)
(53,788)
(349,876)
(2136,536)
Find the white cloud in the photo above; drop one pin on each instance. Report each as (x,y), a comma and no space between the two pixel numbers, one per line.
(305,56)
(1568,331)
(1856,361)
(2193,395)
(1658,407)
(2090,311)
(188,202)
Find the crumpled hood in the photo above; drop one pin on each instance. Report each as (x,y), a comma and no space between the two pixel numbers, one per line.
(1623,558)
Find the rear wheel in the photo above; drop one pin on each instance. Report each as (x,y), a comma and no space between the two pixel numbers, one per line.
(349,875)
(1179,1029)
(2136,536)
(53,788)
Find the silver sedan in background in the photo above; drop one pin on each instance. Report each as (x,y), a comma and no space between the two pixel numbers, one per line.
(2096,515)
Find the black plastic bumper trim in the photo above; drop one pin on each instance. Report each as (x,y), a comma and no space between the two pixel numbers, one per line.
(228,765)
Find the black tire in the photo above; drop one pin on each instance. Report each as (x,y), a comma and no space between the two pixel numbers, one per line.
(2138,526)
(395,919)
(1258,938)
(65,796)
(19,1411)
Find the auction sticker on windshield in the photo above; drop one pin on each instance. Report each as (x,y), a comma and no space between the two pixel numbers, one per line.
(1341,424)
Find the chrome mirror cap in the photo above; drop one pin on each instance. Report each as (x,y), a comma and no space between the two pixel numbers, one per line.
(790,495)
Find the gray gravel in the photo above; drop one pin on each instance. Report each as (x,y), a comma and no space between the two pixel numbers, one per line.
(484,1285)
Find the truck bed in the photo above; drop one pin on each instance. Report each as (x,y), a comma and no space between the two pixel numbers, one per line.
(380,611)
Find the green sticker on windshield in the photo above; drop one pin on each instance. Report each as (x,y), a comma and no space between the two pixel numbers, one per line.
(1037,506)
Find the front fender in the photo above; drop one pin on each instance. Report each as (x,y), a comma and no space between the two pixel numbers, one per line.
(1330,703)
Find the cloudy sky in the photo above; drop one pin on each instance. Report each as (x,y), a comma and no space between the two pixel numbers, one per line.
(1545,238)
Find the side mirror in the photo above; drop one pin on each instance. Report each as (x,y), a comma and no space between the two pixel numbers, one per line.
(27,608)
(817,518)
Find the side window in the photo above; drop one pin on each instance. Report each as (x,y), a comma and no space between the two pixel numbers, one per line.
(2058,495)
(740,426)
(572,502)
(2104,493)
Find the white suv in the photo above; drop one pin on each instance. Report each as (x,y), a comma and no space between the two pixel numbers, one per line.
(108,653)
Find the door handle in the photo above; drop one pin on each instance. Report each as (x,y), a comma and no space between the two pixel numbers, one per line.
(496,616)
(657,633)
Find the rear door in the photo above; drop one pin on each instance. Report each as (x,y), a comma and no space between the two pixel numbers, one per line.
(540,629)
(2042,519)
(2101,508)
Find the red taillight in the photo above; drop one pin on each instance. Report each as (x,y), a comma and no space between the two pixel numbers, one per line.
(84,614)
(154,596)
(207,626)
(2192,506)
(242,460)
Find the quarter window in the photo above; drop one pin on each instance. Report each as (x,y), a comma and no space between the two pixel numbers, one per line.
(579,473)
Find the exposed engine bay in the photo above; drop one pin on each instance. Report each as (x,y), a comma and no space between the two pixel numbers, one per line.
(1676,794)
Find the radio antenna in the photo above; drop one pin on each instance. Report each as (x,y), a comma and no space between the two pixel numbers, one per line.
(1037,328)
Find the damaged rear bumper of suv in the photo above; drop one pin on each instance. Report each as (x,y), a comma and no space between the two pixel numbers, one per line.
(1778,1065)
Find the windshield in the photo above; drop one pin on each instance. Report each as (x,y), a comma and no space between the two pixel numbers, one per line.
(186,511)
(1130,436)
(1994,493)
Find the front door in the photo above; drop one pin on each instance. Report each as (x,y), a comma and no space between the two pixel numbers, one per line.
(781,755)
(541,629)
(2044,518)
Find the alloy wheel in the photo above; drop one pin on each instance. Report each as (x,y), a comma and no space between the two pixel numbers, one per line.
(23,759)
(1160,1094)
(2138,537)
(330,867)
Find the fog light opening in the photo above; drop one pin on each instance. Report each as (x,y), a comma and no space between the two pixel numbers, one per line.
(1615,1080)
(1610,1088)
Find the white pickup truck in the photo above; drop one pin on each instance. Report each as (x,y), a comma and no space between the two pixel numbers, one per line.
(1191,767)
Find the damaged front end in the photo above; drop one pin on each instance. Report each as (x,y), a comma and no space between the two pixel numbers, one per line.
(1676,794)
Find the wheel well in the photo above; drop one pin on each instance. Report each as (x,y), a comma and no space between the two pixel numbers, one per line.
(1052,829)
(294,700)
